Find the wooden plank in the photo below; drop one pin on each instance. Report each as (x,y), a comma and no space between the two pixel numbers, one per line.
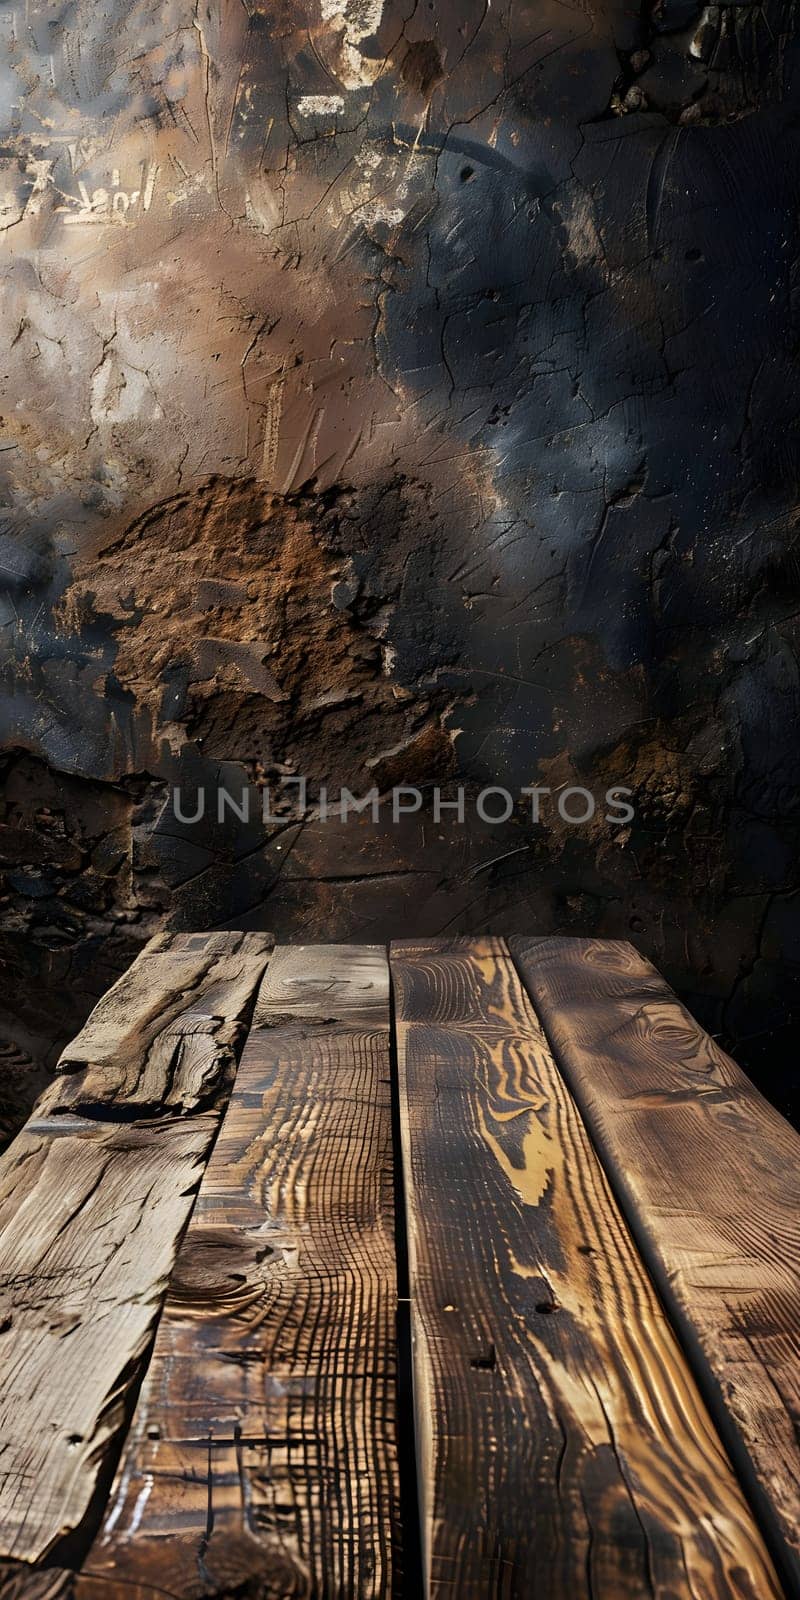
(89,1216)
(262,1456)
(709,1176)
(162,1038)
(325,984)
(563,1447)
(18,1581)
(91,1209)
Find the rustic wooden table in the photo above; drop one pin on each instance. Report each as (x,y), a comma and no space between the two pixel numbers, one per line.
(274,1193)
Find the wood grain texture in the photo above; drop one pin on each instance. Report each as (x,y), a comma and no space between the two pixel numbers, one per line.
(261,1460)
(162,1038)
(91,1210)
(325,984)
(563,1447)
(709,1175)
(89,1217)
(19,1581)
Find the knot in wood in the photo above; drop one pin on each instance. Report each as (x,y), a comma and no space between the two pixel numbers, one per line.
(220,1269)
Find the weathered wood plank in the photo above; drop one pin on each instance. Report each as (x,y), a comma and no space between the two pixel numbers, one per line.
(262,1456)
(91,1209)
(89,1216)
(325,983)
(19,1581)
(161,1038)
(709,1176)
(563,1447)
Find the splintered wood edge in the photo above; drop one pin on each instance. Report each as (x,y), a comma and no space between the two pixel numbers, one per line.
(158,983)
(102,1204)
(208,943)
(162,1038)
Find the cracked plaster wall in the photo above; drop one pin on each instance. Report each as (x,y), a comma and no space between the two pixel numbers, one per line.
(400,393)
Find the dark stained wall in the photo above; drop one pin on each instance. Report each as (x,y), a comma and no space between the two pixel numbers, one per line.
(401,394)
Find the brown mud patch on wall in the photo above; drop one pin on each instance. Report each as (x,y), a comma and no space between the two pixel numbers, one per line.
(240,625)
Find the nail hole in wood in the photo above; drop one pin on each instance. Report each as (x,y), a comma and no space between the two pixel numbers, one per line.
(485,1362)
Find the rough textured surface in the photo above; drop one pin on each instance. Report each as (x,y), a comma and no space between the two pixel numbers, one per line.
(387,387)
(164,1038)
(94,1195)
(91,1214)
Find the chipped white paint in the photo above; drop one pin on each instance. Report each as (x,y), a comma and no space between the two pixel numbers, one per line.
(112,204)
(358,20)
(372,194)
(320,105)
(375,211)
(42,175)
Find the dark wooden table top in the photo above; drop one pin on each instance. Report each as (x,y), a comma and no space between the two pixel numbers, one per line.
(259,1168)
